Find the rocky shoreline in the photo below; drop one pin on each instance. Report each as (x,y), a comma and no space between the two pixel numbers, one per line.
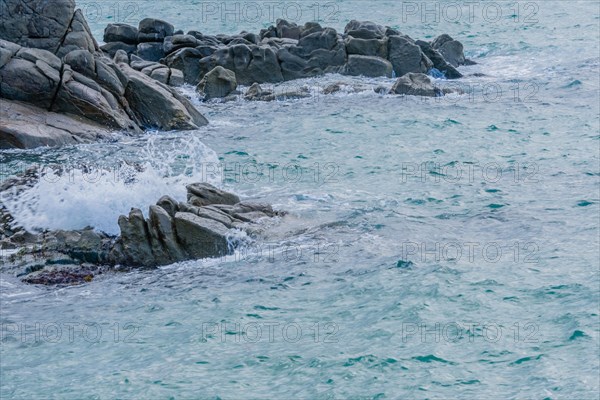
(174,231)
(59,87)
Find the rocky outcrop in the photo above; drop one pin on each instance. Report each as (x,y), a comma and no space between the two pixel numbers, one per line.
(416,85)
(24,126)
(174,231)
(219,82)
(289,51)
(49,59)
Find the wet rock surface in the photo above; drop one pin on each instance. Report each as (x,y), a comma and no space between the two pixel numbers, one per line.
(49,60)
(201,227)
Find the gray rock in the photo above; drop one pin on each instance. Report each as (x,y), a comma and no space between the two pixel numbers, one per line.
(416,85)
(368,66)
(81,61)
(326,39)
(25,126)
(452,50)
(204,212)
(121,33)
(438,60)
(158,106)
(34,83)
(34,55)
(79,36)
(109,77)
(203,194)
(250,63)
(288,30)
(154,29)
(406,56)
(165,248)
(255,92)
(364,30)
(39,24)
(187,60)
(7,51)
(135,244)
(292,66)
(168,204)
(176,78)
(161,75)
(113,47)
(201,237)
(121,56)
(219,82)
(82,96)
(173,43)
(367,47)
(150,51)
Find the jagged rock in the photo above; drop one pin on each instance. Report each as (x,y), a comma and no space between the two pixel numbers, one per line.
(287,30)
(150,51)
(168,204)
(254,92)
(154,30)
(416,85)
(176,78)
(31,80)
(250,63)
(37,24)
(452,50)
(161,75)
(165,247)
(406,56)
(368,66)
(204,194)
(134,247)
(438,60)
(219,82)
(187,60)
(201,237)
(367,47)
(113,47)
(158,106)
(81,61)
(82,96)
(364,30)
(176,42)
(24,126)
(257,93)
(121,33)
(204,212)
(78,36)
(121,56)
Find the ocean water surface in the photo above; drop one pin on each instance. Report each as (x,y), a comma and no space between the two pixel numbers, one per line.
(434,248)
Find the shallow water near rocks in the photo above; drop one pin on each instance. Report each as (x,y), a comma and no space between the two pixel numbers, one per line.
(435,248)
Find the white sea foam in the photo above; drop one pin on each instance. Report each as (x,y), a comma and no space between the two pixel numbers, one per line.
(90,195)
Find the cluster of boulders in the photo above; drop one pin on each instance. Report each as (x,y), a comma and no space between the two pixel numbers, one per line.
(288,51)
(174,231)
(50,65)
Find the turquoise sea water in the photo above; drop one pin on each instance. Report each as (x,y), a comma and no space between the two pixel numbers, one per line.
(434,248)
